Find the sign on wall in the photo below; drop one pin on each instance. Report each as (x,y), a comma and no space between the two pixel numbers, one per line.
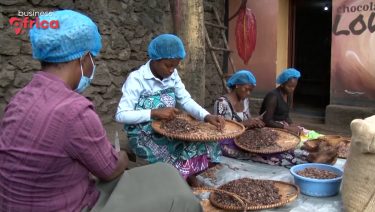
(353,52)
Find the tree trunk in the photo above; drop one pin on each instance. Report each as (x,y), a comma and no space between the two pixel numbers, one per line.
(188,20)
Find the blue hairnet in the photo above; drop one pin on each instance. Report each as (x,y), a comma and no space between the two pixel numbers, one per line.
(166,46)
(287,74)
(76,35)
(241,77)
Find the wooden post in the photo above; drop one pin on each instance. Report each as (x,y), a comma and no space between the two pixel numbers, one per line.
(188,21)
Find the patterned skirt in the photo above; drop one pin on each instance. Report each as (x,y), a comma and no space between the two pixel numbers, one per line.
(188,157)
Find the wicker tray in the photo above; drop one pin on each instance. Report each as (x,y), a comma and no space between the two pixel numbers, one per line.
(288,192)
(333,140)
(337,141)
(347,142)
(206,132)
(206,204)
(285,142)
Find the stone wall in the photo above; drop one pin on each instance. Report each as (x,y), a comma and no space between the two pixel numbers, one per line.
(126,27)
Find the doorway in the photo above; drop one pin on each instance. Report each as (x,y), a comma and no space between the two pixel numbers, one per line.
(311,54)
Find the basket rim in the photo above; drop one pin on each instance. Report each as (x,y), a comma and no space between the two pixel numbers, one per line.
(259,207)
(189,137)
(205,189)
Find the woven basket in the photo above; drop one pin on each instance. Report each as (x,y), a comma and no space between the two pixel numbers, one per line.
(333,140)
(207,206)
(336,140)
(347,142)
(206,131)
(285,142)
(311,145)
(288,192)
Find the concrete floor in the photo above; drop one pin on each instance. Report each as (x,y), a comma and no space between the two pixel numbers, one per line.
(317,124)
(231,169)
(303,203)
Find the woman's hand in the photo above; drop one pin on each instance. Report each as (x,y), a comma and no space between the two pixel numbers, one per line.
(294,129)
(167,113)
(253,123)
(217,121)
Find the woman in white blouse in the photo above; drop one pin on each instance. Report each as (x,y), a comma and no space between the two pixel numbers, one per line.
(152,92)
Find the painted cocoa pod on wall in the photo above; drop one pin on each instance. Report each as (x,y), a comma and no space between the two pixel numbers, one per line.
(246,34)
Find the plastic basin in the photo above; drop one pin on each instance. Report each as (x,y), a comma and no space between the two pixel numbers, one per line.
(317,187)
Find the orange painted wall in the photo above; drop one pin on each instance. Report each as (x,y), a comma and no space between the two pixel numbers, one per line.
(263,61)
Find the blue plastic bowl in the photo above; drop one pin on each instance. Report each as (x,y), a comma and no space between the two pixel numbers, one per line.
(317,187)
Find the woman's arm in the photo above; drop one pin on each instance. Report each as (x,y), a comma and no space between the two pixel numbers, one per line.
(186,102)
(290,105)
(270,102)
(289,120)
(250,122)
(131,91)
(221,108)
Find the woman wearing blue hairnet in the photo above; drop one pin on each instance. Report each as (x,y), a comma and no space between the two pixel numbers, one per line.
(275,109)
(152,92)
(236,106)
(277,103)
(52,142)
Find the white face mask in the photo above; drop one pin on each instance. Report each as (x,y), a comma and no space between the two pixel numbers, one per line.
(84,82)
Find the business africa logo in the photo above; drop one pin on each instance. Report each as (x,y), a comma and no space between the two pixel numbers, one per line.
(25,20)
